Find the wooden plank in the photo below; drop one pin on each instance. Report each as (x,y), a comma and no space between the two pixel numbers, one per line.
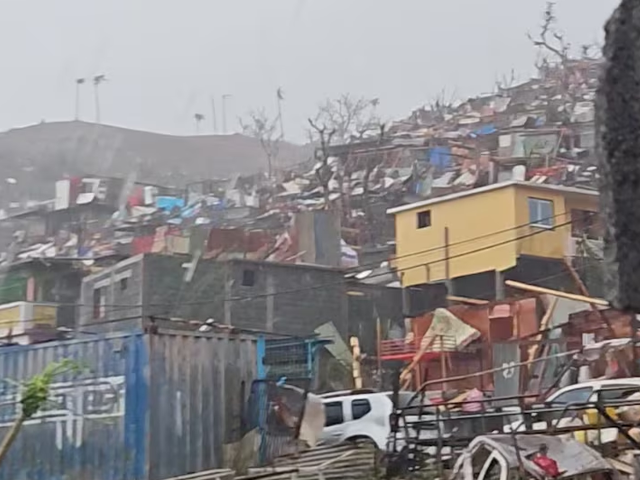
(357,377)
(406,373)
(557,293)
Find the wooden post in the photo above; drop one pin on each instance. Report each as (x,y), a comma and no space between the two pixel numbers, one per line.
(447,271)
(443,362)
(271,300)
(557,293)
(499,285)
(379,348)
(405,297)
(355,351)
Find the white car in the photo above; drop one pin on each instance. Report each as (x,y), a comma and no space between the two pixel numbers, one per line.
(359,416)
(591,391)
(362,416)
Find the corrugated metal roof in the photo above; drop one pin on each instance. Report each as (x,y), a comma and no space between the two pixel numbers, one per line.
(223,474)
(343,461)
(489,188)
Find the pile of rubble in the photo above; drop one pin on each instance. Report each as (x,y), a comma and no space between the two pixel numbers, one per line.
(540,131)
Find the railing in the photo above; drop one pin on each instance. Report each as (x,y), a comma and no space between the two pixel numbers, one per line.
(400,349)
(288,357)
(424,435)
(335,462)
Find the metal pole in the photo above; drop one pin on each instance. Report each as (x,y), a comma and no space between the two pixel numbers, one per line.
(280,114)
(77,99)
(214,115)
(224,112)
(96,98)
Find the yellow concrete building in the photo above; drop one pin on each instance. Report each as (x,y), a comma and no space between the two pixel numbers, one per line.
(489,229)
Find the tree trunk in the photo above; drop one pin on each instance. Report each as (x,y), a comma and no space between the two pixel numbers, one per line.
(11,435)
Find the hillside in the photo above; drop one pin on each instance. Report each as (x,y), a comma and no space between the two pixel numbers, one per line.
(38,155)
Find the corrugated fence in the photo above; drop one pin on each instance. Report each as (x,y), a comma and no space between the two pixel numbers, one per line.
(147,406)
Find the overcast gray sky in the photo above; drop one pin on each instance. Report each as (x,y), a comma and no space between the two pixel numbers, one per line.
(165,58)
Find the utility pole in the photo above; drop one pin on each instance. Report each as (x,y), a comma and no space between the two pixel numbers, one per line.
(214,116)
(280,97)
(79,81)
(224,111)
(97,80)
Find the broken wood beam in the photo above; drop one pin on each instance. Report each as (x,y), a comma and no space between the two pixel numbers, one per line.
(583,290)
(557,293)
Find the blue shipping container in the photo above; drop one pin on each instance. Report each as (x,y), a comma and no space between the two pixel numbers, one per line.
(147,406)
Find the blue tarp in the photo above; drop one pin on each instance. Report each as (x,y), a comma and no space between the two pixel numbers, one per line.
(484,130)
(169,203)
(440,157)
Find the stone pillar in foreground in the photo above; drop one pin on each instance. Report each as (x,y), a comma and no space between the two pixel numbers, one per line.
(618,149)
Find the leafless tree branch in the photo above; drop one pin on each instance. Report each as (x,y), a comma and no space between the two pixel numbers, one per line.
(351,118)
(259,126)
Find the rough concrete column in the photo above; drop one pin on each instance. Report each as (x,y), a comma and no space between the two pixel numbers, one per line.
(618,147)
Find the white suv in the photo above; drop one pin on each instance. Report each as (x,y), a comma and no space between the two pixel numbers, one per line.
(362,415)
(357,416)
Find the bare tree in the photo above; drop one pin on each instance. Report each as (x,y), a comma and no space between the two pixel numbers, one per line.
(259,126)
(549,39)
(373,162)
(351,118)
(324,172)
(556,55)
(342,120)
(506,81)
(442,104)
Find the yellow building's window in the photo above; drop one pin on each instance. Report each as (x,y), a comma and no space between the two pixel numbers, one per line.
(424,219)
(540,212)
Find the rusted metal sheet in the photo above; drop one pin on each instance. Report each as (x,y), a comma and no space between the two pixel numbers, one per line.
(458,364)
(499,321)
(145,407)
(589,321)
(527,317)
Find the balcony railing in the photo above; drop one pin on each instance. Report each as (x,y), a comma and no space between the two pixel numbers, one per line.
(400,349)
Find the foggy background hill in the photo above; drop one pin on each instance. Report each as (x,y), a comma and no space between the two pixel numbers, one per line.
(36,156)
